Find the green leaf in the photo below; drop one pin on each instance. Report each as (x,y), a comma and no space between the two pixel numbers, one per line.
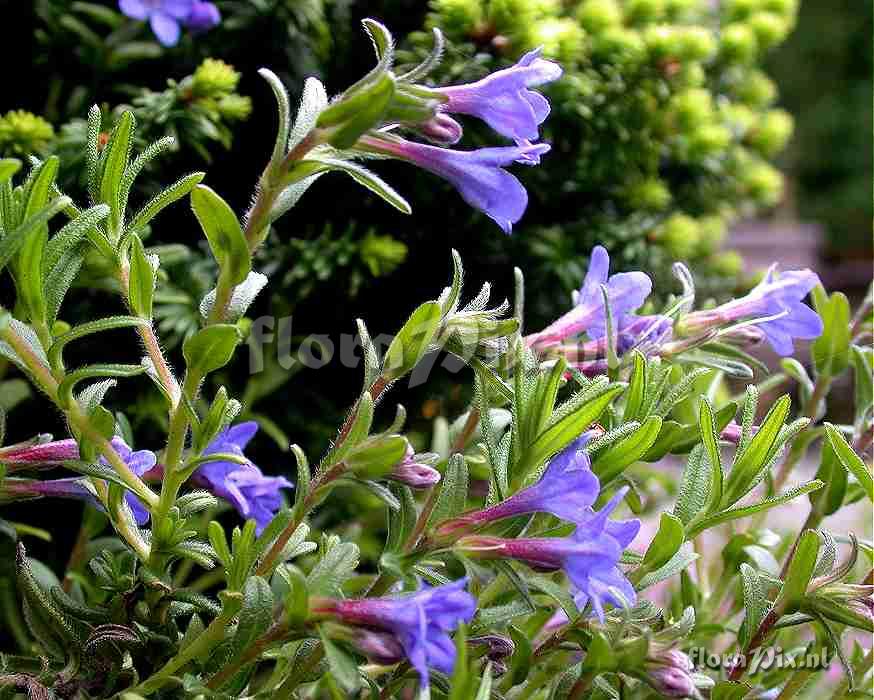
(852,462)
(863,369)
(665,544)
(222,229)
(71,234)
(637,384)
(142,160)
(746,511)
(412,341)
(141,282)
(163,199)
(709,438)
(211,348)
(756,455)
(115,159)
(29,276)
(11,243)
(256,614)
(563,431)
(332,570)
(800,571)
(284,112)
(755,603)
(833,474)
(695,487)
(729,690)
(831,351)
(611,462)
(453,491)
(357,433)
(302,487)
(400,524)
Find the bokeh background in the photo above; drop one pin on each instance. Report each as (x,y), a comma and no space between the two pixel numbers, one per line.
(724,134)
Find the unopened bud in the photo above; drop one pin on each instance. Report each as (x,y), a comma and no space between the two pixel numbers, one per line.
(442,129)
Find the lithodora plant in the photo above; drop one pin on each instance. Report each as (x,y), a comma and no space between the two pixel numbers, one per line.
(514,564)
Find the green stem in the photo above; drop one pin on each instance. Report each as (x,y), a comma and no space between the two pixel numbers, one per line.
(860,670)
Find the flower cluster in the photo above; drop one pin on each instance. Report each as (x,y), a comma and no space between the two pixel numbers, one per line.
(773,310)
(419,623)
(167,17)
(589,557)
(505,101)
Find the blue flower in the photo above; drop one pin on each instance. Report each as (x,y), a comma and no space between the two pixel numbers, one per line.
(166,16)
(589,557)
(567,490)
(778,301)
(243,485)
(420,621)
(139,462)
(479,175)
(627,291)
(503,101)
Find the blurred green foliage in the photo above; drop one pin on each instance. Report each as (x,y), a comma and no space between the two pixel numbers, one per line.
(825,74)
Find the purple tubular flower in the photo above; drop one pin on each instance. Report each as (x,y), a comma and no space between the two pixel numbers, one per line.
(643,332)
(38,454)
(203,17)
(503,101)
(479,175)
(244,486)
(589,557)
(420,621)
(164,16)
(774,306)
(567,490)
(627,291)
(139,462)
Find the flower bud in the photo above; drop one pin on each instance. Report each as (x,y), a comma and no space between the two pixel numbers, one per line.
(670,674)
(442,129)
(380,647)
(671,682)
(414,472)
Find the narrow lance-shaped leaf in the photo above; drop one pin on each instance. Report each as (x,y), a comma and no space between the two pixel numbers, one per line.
(223,231)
